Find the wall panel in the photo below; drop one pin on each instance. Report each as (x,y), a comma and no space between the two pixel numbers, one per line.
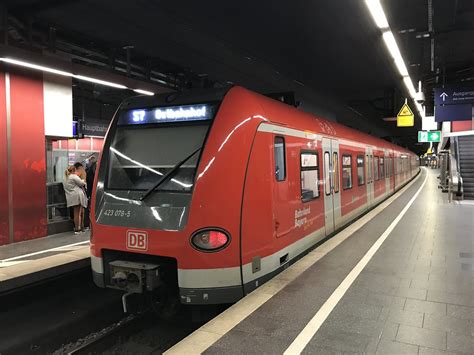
(3,164)
(28,155)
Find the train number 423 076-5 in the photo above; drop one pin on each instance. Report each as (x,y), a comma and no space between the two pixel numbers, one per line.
(117,213)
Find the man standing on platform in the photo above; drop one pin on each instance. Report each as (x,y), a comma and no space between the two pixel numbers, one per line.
(90,173)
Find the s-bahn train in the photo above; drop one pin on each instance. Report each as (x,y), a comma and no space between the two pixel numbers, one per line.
(203,198)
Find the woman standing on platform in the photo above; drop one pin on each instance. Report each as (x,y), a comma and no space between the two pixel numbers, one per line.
(81,172)
(75,196)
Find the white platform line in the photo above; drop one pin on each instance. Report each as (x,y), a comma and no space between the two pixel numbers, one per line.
(315,323)
(10,263)
(211,332)
(62,247)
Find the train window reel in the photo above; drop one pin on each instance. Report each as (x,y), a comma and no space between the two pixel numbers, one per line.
(309,173)
(335,164)
(346,171)
(327,173)
(360,170)
(280,158)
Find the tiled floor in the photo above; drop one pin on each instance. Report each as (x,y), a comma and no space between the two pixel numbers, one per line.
(416,295)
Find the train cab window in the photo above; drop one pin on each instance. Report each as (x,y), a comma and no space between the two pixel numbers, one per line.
(309,176)
(346,172)
(382,168)
(327,173)
(280,163)
(360,170)
(335,164)
(376,168)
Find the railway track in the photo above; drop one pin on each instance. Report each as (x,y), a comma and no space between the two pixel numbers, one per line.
(99,342)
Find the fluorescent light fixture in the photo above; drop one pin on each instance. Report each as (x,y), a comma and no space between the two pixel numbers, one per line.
(65,73)
(376,10)
(377,13)
(409,85)
(395,52)
(101,82)
(144,92)
(35,66)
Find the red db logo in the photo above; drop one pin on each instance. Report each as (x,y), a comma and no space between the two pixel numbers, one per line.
(137,240)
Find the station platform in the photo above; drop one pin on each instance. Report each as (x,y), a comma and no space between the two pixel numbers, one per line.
(398,280)
(32,261)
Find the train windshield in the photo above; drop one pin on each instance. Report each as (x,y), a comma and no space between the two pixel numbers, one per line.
(142,152)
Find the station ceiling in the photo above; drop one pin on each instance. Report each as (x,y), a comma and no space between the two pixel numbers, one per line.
(329,52)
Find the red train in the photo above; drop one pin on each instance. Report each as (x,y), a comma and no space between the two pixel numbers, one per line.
(206,197)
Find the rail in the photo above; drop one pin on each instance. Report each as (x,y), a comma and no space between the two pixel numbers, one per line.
(108,337)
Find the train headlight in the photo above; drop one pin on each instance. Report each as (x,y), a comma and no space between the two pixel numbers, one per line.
(210,240)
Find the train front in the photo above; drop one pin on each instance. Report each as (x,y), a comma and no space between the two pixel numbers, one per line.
(164,214)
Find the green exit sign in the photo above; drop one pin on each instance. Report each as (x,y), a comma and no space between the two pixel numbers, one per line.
(425,136)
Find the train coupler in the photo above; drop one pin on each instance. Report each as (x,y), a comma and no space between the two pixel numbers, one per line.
(134,277)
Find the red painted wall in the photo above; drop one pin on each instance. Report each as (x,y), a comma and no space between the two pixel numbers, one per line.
(28,155)
(459,126)
(3,164)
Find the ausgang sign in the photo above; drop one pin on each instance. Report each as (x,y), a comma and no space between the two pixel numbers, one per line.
(424,137)
(454,95)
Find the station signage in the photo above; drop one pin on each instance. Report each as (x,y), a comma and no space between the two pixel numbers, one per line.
(426,137)
(454,103)
(405,117)
(453,113)
(454,95)
(96,128)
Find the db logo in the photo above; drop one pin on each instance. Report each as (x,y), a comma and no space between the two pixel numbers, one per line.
(137,240)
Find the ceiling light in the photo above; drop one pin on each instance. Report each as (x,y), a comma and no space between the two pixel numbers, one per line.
(144,92)
(395,52)
(98,81)
(377,13)
(409,85)
(34,66)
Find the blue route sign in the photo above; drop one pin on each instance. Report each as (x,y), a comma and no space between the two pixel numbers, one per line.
(453,113)
(454,95)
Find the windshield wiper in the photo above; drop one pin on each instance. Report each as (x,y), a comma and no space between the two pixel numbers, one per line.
(168,175)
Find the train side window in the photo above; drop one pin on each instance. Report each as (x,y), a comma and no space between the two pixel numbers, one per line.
(327,173)
(376,168)
(346,172)
(335,164)
(309,176)
(360,170)
(280,163)
(382,168)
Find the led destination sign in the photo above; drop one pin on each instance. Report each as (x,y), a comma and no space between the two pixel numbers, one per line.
(167,114)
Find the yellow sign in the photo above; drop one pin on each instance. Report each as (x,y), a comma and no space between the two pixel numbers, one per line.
(405,117)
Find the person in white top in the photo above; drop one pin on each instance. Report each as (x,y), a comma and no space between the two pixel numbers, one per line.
(76,198)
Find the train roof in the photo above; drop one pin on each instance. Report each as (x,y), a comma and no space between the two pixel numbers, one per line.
(278,112)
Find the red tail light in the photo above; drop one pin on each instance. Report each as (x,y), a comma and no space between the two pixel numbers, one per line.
(210,240)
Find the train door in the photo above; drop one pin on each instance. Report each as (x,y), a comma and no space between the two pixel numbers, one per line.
(370,175)
(332,197)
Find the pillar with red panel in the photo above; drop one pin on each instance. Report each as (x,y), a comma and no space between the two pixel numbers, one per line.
(23,213)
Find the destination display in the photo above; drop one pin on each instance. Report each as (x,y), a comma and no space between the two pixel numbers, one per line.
(184,113)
